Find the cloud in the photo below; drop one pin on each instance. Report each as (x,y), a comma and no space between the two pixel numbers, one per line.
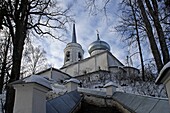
(86,26)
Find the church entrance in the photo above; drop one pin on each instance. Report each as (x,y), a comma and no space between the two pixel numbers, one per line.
(89,108)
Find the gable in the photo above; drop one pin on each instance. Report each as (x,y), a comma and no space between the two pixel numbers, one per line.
(113,61)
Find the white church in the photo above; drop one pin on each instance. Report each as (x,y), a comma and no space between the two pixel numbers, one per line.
(98,69)
(98,80)
(100,58)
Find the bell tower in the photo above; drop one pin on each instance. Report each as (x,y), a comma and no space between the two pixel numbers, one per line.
(73,51)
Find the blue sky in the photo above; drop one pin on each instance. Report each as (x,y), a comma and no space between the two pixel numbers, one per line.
(86,26)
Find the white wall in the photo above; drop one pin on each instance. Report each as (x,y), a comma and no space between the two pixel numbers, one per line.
(55,75)
(90,64)
(46,74)
(113,61)
(102,61)
(30,98)
(58,76)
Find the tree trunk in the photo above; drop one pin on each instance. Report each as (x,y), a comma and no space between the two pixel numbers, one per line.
(18,45)
(15,72)
(154,13)
(151,38)
(138,40)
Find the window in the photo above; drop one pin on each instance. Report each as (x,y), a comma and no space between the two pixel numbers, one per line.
(67,56)
(79,56)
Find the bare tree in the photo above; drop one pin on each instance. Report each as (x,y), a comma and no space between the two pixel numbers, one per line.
(33,60)
(150,34)
(28,16)
(150,20)
(130,27)
(154,12)
(5,59)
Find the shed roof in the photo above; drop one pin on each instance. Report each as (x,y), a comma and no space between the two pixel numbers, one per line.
(135,103)
(63,104)
(143,104)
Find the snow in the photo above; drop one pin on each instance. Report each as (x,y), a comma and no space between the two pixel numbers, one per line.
(73,80)
(110,84)
(163,70)
(59,88)
(38,79)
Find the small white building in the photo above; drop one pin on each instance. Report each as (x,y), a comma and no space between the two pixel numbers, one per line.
(54,74)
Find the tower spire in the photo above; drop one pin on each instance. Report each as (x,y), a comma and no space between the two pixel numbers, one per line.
(98,35)
(74,34)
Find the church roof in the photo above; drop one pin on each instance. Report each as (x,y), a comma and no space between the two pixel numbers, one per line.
(98,45)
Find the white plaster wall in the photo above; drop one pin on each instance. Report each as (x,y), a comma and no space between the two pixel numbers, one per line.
(88,65)
(58,76)
(23,99)
(74,49)
(110,90)
(71,86)
(102,62)
(113,61)
(72,70)
(39,101)
(30,98)
(46,74)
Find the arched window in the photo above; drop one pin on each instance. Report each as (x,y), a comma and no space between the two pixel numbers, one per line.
(67,58)
(79,56)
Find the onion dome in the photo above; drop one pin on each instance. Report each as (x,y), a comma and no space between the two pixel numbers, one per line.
(98,45)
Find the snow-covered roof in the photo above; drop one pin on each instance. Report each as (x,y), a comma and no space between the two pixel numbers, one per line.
(38,79)
(110,84)
(72,80)
(162,75)
(34,79)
